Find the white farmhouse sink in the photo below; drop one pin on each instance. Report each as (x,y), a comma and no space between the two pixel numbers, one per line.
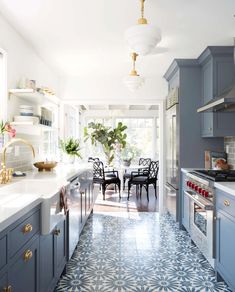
(47,189)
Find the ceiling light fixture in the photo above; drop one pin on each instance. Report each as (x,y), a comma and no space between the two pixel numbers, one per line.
(134,81)
(143,37)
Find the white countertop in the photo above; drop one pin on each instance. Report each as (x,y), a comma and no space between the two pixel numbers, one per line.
(14,205)
(227,187)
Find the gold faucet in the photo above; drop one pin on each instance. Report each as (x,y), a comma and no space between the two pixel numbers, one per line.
(6,173)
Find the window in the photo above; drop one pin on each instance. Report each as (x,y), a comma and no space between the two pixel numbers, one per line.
(140,135)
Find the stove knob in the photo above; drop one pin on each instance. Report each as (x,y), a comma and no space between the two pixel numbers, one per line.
(206,194)
(192,186)
(187,183)
(196,188)
(203,193)
(199,190)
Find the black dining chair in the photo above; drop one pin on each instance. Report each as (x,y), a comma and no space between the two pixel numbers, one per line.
(145,179)
(93,159)
(143,162)
(102,177)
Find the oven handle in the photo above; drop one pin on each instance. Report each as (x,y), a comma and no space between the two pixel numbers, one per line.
(202,203)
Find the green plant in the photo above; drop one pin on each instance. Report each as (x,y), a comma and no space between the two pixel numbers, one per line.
(107,137)
(71,147)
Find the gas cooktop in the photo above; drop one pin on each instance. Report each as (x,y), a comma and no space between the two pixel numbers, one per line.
(217,175)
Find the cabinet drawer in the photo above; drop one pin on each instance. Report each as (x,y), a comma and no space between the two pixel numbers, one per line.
(3,251)
(24,232)
(225,202)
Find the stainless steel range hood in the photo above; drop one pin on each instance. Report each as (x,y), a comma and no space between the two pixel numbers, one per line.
(225,102)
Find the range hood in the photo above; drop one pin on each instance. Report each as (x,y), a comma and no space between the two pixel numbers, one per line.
(225,102)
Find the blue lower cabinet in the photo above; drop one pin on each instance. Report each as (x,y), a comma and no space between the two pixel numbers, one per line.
(3,252)
(60,247)
(23,274)
(186,212)
(53,256)
(47,262)
(225,242)
(4,283)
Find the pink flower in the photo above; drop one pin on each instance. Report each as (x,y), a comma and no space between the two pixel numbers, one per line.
(11,131)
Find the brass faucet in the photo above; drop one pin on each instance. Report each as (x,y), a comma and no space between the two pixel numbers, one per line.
(6,173)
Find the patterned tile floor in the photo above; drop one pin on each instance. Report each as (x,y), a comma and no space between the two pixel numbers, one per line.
(137,252)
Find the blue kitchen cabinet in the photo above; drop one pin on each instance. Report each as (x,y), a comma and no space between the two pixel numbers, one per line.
(185,204)
(47,263)
(225,237)
(60,251)
(23,274)
(3,252)
(218,74)
(53,256)
(4,283)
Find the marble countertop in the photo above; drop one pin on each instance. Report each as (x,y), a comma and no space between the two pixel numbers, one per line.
(15,204)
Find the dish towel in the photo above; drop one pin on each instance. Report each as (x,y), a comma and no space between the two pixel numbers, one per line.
(63,200)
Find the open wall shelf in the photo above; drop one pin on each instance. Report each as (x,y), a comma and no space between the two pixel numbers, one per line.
(35,97)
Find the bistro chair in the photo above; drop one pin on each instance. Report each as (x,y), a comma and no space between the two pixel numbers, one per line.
(102,177)
(145,179)
(93,159)
(143,162)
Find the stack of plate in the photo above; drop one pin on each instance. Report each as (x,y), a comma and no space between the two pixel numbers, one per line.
(26,110)
(26,119)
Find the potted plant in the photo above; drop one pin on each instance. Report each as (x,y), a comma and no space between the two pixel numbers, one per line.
(107,137)
(71,148)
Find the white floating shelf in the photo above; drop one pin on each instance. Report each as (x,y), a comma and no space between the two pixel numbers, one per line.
(30,128)
(35,97)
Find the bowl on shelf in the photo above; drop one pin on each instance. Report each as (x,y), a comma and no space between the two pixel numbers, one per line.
(45,165)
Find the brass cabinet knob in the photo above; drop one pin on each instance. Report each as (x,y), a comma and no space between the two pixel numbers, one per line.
(226,203)
(7,289)
(28,255)
(27,228)
(57,232)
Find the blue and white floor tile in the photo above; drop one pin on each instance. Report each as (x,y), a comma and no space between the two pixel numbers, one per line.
(139,252)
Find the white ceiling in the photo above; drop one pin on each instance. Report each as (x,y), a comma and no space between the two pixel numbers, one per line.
(83,40)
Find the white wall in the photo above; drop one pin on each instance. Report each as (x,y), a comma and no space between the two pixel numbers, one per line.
(92,88)
(22,59)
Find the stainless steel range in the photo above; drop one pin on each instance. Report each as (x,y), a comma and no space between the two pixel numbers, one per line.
(199,187)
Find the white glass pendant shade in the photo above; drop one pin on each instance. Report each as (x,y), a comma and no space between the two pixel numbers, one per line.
(133,82)
(142,38)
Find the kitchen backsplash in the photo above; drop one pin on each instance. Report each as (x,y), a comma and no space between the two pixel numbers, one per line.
(24,160)
(229,147)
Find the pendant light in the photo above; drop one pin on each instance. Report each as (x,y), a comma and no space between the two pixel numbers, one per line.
(133,81)
(143,37)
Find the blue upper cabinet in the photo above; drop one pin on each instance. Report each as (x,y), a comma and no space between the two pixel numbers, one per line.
(218,74)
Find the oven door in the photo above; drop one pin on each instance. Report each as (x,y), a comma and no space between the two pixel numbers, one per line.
(201,223)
